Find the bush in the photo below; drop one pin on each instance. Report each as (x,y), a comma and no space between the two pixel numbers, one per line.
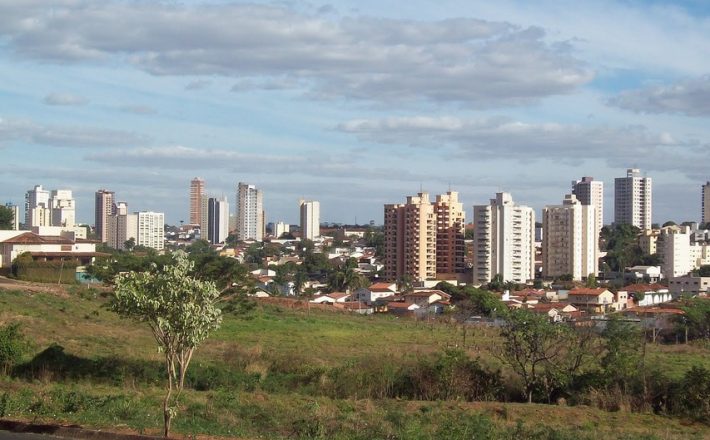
(693,394)
(12,346)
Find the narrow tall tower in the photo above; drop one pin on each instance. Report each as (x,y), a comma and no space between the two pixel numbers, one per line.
(310,219)
(104,207)
(250,212)
(590,192)
(197,193)
(218,217)
(632,199)
(705,203)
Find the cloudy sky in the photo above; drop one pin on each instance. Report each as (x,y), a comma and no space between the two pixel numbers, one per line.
(355,104)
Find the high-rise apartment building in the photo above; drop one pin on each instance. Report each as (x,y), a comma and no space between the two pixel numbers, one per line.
(410,239)
(37,209)
(570,242)
(218,218)
(150,229)
(104,207)
(281,228)
(504,237)
(705,203)
(590,192)
(450,225)
(250,213)
(310,219)
(632,199)
(204,219)
(63,208)
(197,193)
(122,226)
(674,249)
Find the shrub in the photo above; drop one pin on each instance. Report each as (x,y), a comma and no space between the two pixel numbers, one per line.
(12,345)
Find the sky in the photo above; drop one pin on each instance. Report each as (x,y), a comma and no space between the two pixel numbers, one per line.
(354,103)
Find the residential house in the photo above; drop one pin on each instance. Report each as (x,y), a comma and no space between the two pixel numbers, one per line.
(403,308)
(593,301)
(46,247)
(423,298)
(331,298)
(375,291)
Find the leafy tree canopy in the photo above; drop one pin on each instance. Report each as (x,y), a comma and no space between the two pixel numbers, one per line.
(180,311)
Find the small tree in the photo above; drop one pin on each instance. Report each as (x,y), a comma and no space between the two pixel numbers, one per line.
(12,344)
(180,311)
(546,356)
(6,217)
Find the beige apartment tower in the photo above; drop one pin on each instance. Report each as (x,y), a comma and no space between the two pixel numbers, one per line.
(504,241)
(450,224)
(104,207)
(410,239)
(197,194)
(632,199)
(570,243)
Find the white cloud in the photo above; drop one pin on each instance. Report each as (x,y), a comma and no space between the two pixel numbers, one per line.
(23,131)
(138,109)
(64,99)
(512,140)
(315,165)
(690,97)
(475,62)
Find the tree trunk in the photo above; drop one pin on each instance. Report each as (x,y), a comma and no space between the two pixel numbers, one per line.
(166,415)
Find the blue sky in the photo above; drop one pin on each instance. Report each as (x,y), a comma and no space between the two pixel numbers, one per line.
(355,104)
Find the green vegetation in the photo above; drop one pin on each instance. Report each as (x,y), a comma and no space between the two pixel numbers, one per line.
(26,269)
(180,311)
(283,373)
(12,345)
(621,243)
(6,218)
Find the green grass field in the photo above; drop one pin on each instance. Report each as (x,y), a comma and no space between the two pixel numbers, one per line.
(273,374)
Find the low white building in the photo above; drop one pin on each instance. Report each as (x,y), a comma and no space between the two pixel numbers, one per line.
(45,247)
(646,274)
(375,291)
(651,293)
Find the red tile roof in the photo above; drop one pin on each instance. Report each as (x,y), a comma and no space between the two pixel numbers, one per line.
(32,238)
(400,305)
(381,287)
(337,295)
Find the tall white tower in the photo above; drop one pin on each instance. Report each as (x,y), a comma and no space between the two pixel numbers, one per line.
(504,241)
(250,212)
(632,199)
(310,219)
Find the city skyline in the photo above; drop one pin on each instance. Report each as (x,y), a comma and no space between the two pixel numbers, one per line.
(356,104)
